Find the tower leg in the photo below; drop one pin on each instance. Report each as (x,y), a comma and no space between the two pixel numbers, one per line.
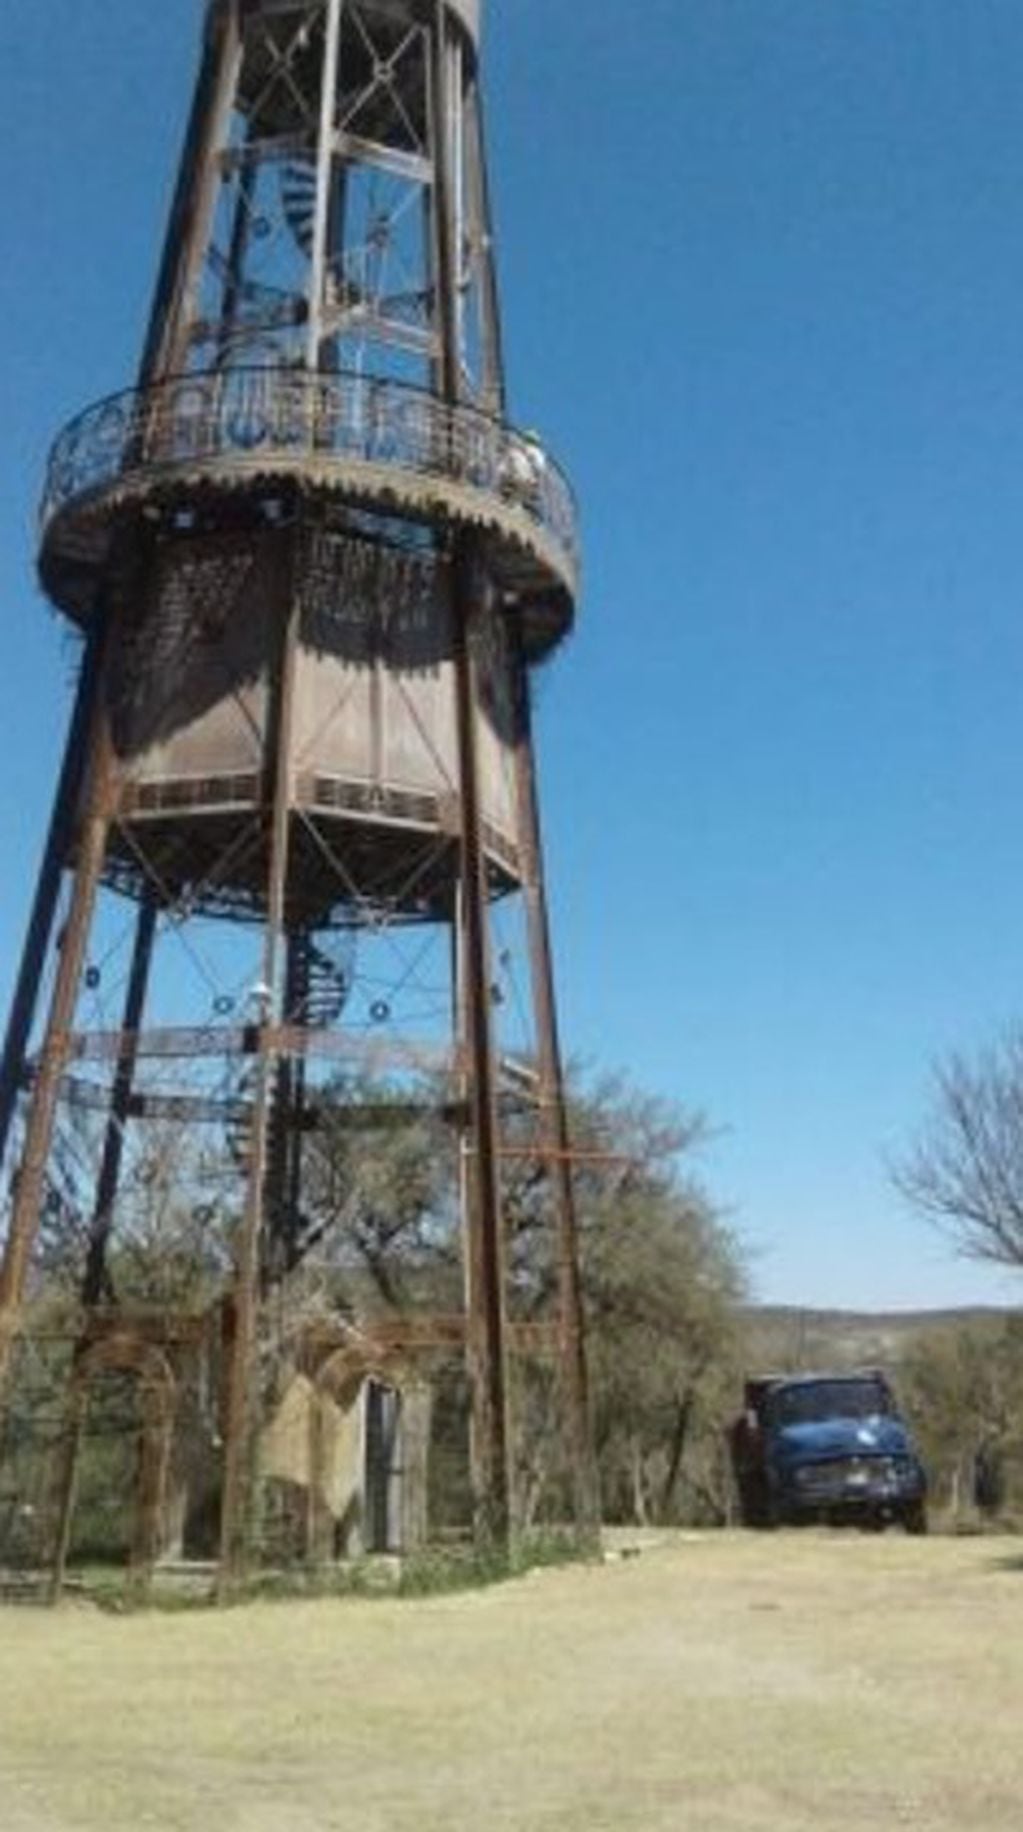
(284,1183)
(95,1283)
(484,1246)
(44,907)
(237,1496)
(96,1279)
(31,1177)
(194,204)
(485,1297)
(555,1135)
(65,1488)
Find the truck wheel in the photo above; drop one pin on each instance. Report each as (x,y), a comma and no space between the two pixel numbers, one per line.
(753,1503)
(760,1519)
(914,1518)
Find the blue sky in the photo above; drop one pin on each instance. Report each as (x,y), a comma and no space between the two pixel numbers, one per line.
(762,270)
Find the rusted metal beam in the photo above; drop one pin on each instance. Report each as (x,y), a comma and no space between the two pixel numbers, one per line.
(144,1104)
(419,1331)
(214,1109)
(58,842)
(485,1270)
(96,1280)
(185,245)
(239,1474)
(561,1154)
(325,154)
(212,1040)
(558,1147)
(30,1185)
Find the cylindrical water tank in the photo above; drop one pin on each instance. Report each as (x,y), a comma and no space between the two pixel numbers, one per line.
(373,751)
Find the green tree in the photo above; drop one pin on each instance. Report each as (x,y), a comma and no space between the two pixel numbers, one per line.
(662,1276)
(663,1279)
(963,1388)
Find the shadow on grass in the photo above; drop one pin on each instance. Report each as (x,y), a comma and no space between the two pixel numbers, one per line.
(428,1573)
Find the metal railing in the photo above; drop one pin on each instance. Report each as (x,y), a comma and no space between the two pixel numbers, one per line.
(287,417)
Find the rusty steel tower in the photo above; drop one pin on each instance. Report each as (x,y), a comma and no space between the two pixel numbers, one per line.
(313,567)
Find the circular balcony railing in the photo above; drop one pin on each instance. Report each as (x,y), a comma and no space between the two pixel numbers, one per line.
(343,428)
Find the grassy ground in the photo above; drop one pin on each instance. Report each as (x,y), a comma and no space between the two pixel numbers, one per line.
(721,1683)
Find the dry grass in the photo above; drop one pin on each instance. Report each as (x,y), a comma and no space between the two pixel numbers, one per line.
(723,1683)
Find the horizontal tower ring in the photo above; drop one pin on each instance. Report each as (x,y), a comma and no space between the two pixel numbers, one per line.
(378,443)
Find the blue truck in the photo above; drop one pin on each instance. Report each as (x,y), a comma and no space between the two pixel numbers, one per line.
(826,1447)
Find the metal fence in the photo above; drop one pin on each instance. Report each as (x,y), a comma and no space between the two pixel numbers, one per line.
(291,416)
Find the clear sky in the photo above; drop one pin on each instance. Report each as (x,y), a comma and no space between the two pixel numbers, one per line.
(762,266)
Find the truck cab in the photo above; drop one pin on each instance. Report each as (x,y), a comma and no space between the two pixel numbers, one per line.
(829,1447)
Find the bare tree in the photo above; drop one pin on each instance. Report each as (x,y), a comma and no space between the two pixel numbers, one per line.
(965,1172)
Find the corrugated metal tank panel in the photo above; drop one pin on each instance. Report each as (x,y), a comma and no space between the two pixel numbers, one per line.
(495,725)
(190,693)
(374,676)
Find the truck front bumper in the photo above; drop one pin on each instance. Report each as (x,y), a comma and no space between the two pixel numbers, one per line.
(867,1487)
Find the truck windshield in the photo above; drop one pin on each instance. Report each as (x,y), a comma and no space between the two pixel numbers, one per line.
(812,1402)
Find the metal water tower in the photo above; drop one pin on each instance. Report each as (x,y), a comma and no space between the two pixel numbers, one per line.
(313,567)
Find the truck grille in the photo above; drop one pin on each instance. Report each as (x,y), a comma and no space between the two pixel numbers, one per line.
(846,1476)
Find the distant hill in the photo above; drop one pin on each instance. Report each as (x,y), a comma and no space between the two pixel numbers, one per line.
(788,1338)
